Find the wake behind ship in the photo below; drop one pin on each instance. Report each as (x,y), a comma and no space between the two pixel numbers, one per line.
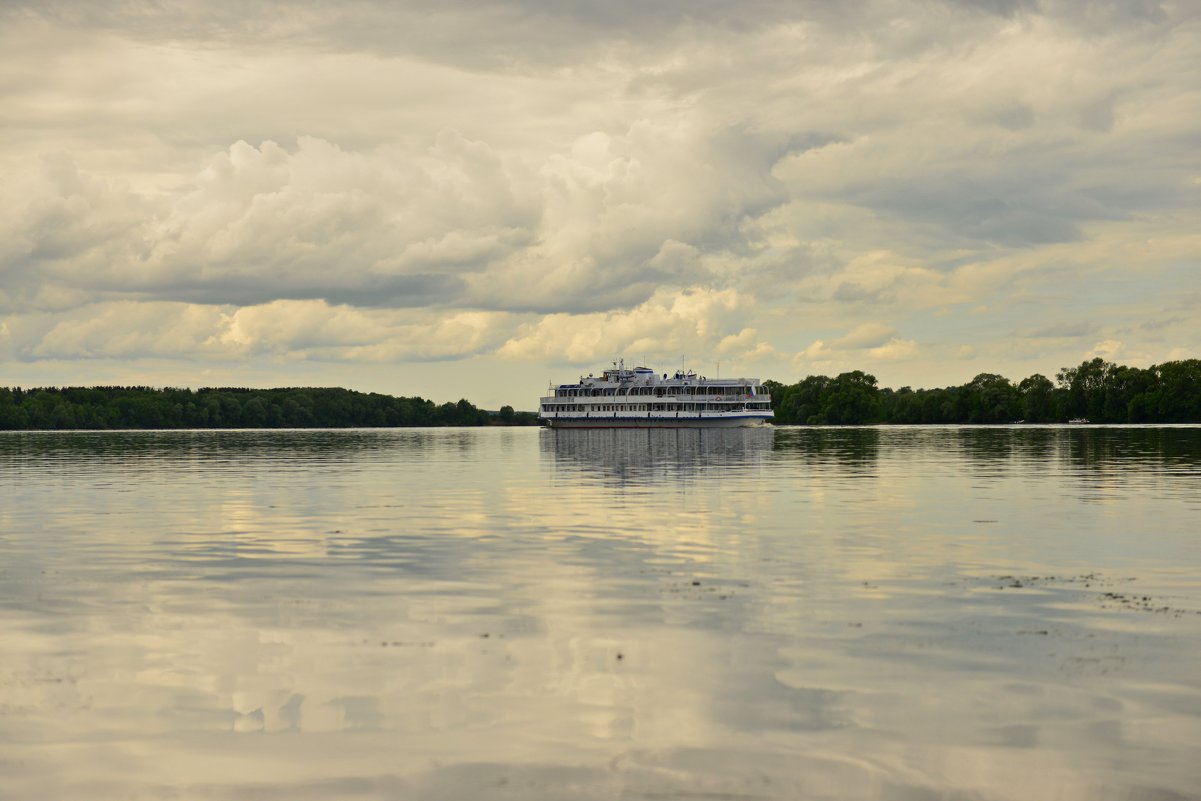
(641,398)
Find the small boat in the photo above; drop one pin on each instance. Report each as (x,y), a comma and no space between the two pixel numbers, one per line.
(1078,421)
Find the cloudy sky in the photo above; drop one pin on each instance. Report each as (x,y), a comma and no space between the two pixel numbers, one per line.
(467,199)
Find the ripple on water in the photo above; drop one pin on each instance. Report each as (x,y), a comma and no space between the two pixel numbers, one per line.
(881,613)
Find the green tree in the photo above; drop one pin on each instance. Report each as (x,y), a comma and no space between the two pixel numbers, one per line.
(851,399)
(255,413)
(1177,396)
(1085,387)
(989,398)
(1037,398)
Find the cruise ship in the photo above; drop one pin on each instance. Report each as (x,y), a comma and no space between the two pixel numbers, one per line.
(642,398)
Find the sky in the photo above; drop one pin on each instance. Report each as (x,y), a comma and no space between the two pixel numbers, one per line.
(471,199)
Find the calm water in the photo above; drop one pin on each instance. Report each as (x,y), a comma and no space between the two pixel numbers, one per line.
(917,613)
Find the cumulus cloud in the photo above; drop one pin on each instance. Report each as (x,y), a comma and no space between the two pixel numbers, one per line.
(381,228)
(565,182)
(59,226)
(1106,349)
(290,329)
(747,346)
(668,323)
(626,215)
(133,329)
(453,224)
(866,335)
(866,343)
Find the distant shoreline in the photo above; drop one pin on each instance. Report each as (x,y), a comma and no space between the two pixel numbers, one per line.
(1095,392)
(149,408)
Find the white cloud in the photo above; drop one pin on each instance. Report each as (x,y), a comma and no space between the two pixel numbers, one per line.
(282,329)
(384,227)
(669,323)
(1107,349)
(59,224)
(375,182)
(746,345)
(627,214)
(865,345)
(133,329)
(894,349)
(454,224)
(864,336)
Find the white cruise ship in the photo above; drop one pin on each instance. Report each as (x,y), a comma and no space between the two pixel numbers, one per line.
(641,398)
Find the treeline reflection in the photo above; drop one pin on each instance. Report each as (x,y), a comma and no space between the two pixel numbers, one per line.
(174,449)
(634,454)
(1076,447)
(655,455)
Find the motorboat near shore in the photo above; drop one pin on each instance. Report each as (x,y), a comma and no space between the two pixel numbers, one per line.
(642,398)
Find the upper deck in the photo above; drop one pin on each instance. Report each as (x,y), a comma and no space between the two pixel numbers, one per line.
(644,381)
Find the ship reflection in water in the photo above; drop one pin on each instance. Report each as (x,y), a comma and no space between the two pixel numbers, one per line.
(881,614)
(656,454)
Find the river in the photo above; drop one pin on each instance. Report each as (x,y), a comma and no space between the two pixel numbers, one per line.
(514,613)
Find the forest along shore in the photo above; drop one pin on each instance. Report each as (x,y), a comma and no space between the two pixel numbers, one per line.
(147,407)
(1097,391)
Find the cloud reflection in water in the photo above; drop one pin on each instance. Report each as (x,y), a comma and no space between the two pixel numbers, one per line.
(773,613)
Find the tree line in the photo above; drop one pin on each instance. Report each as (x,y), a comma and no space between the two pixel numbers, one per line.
(148,407)
(1097,390)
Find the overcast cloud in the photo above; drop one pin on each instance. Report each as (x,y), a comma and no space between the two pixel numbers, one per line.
(469,198)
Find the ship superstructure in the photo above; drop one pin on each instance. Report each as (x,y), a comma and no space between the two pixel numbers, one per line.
(641,398)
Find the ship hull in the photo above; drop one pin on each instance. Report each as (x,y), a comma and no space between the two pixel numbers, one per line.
(690,421)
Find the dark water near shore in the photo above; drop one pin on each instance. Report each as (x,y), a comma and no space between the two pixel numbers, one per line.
(895,613)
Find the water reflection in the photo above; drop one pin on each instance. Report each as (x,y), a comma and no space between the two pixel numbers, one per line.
(655,454)
(883,613)
(1078,447)
(174,448)
(634,456)
(854,449)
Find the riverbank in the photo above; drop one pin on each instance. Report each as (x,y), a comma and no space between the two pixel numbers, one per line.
(103,408)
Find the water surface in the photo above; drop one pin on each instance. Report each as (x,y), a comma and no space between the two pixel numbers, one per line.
(842,613)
